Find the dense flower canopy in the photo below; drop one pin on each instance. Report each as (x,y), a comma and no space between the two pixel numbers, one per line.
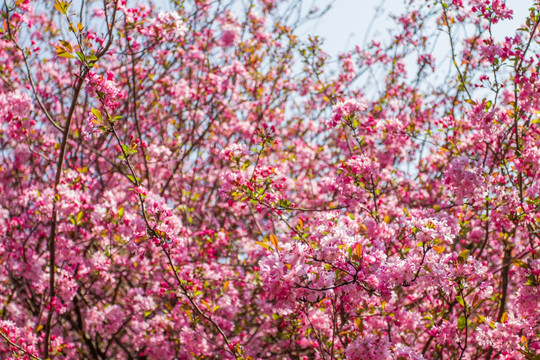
(193,180)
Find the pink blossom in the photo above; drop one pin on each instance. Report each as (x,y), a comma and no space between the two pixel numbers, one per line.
(104,89)
(345,111)
(466,180)
(230,35)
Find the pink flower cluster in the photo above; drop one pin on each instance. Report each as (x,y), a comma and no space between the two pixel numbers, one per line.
(465,178)
(104,89)
(230,35)
(346,111)
(23,344)
(224,218)
(495,10)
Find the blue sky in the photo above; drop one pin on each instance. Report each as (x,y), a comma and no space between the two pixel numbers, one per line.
(347,22)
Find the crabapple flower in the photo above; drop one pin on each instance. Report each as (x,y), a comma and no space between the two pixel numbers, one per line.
(233,151)
(230,35)
(345,111)
(172,24)
(14,105)
(370,347)
(103,89)
(465,179)
(225,217)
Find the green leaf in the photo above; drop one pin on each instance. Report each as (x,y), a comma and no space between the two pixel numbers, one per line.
(67,45)
(80,56)
(521,264)
(60,6)
(531,280)
(97,114)
(460,300)
(264,246)
(65,55)
(462,258)
(132,179)
(462,322)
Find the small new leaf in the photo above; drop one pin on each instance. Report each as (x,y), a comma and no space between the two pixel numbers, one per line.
(67,45)
(462,322)
(358,250)
(97,114)
(462,258)
(521,264)
(61,7)
(274,240)
(264,246)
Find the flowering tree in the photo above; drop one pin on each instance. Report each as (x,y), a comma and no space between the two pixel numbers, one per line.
(195,181)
